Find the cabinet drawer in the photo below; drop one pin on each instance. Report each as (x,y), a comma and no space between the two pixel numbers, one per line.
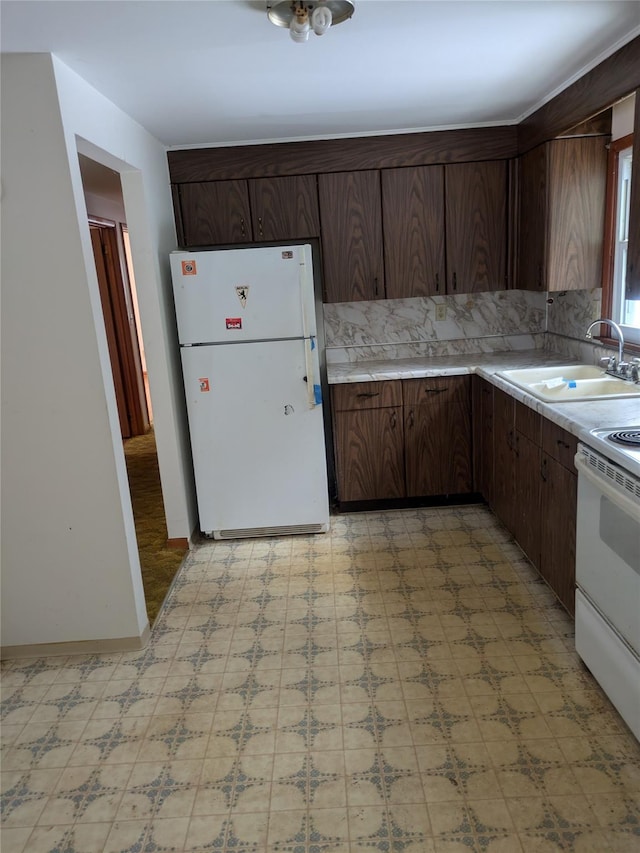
(559,444)
(366,395)
(528,422)
(443,389)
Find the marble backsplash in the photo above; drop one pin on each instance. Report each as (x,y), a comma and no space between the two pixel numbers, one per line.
(495,321)
(402,328)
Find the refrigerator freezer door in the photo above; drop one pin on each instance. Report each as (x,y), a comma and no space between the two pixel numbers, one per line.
(233,295)
(258,445)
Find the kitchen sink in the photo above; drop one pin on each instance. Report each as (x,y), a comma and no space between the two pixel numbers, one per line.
(572,382)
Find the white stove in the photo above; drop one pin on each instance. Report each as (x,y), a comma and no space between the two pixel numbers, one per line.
(608,565)
(620,445)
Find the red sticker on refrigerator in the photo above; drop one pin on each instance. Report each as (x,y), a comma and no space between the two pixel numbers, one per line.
(234,322)
(204,384)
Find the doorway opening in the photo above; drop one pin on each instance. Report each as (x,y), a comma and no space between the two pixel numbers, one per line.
(116,279)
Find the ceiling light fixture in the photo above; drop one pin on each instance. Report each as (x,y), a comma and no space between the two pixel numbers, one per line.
(301,17)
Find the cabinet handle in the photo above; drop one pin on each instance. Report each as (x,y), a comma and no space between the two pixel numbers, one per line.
(260,227)
(410,419)
(540,276)
(242,228)
(375,286)
(393,420)
(368,394)
(437,282)
(455,281)
(543,470)
(562,443)
(434,390)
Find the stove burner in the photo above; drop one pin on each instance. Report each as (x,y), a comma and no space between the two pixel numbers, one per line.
(629,438)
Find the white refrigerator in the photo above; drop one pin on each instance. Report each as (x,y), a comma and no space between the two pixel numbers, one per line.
(247,333)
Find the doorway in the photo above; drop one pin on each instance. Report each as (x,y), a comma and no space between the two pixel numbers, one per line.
(159,560)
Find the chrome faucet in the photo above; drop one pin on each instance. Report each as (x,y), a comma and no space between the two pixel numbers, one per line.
(618,330)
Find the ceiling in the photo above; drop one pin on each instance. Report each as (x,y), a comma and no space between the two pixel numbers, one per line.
(219,73)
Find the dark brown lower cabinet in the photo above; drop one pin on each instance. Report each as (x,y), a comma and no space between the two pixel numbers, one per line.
(534,485)
(482,420)
(503,458)
(437,430)
(369,440)
(399,439)
(558,502)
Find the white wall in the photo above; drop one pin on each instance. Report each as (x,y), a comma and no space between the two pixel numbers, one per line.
(70,568)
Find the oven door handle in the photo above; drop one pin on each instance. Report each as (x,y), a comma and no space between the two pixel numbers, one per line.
(627,505)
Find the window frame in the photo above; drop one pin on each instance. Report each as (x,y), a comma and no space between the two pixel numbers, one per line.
(610,221)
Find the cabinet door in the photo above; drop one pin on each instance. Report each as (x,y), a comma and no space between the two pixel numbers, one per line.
(285,208)
(576,202)
(413,207)
(215,212)
(351,221)
(503,458)
(476,222)
(437,417)
(532,220)
(369,454)
(526,507)
(482,408)
(558,524)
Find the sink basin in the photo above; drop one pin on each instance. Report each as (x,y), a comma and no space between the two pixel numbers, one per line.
(572,382)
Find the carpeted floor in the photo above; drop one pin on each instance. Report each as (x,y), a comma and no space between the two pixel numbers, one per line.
(159,563)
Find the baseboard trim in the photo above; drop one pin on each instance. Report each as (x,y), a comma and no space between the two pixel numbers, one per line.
(79,647)
(180,543)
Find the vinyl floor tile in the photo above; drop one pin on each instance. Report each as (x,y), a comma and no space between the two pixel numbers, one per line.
(405,682)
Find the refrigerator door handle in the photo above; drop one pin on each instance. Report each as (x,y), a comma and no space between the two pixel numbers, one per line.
(314,390)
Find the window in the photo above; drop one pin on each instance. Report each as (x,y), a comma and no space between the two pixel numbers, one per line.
(626,312)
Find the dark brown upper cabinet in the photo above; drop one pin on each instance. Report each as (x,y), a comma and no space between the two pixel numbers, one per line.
(561,216)
(284,208)
(351,221)
(215,212)
(413,208)
(476,226)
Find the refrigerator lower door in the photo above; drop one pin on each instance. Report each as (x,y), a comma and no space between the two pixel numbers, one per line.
(258,446)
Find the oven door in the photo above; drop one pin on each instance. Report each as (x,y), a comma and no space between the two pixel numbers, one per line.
(608,580)
(608,543)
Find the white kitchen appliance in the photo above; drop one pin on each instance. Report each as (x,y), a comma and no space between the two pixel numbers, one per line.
(608,568)
(247,333)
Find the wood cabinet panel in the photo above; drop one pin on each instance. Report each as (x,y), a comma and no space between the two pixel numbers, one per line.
(532,220)
(369,454)
(561,214)
(413,206)
(285,208)
(528,422)
(366,395)
(476,226)
(558,522)
(215,212)
(482,415)
(351,222)
(503,450)
(576,206)
(559,444)
(526,508)
(333,155)
(437,418)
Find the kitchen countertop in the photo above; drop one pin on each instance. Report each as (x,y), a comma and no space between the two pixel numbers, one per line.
(577,418)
